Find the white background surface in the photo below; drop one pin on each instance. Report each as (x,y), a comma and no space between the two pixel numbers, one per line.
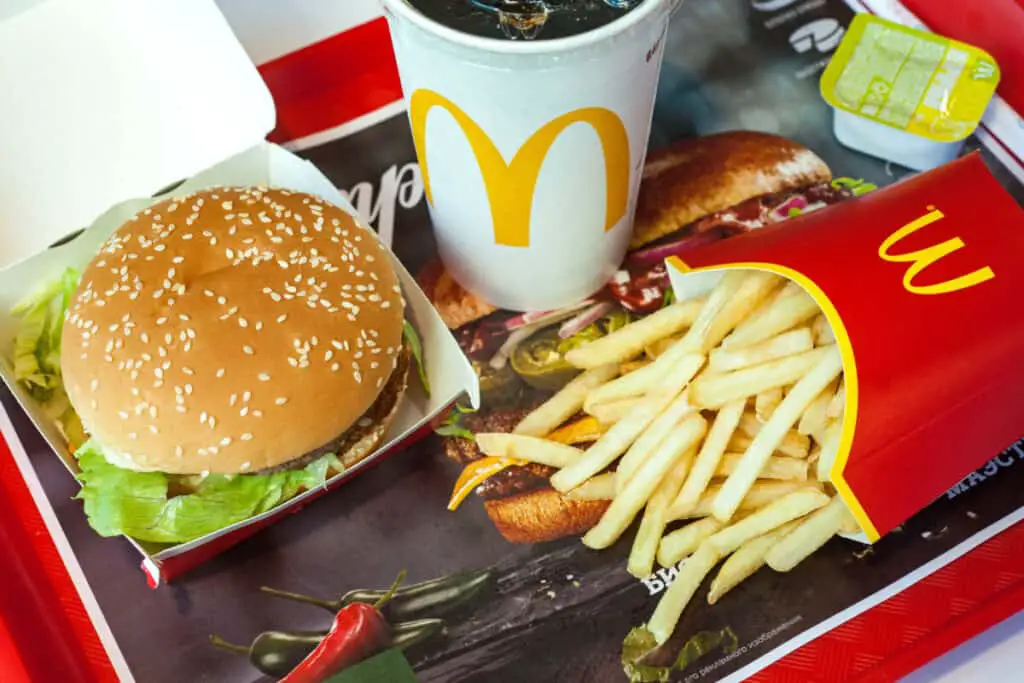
(271,28)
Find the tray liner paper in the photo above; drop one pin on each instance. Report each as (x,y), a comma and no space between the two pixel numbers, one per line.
(921,283)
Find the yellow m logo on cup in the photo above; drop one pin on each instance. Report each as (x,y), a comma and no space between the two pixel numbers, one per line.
(511,185)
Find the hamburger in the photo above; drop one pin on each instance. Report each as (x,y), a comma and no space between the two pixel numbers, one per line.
(693,192)
(223,352)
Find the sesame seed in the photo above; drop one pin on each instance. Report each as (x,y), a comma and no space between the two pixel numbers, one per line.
(245,466)
(244,411)
(187,370)
(246,437)
(264,377)
(180,409)
(220,373)
(202,417)
(178,451)
(281,400)
(122,414)
(153,429)
(248,349)
(282,318)
(335,367)
(246,396)
(233,400)
(132,435)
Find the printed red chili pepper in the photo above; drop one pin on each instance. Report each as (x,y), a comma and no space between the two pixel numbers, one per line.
(358,632)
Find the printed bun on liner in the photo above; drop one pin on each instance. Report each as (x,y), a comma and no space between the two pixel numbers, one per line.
(543,515)
(232,331)
(700,177)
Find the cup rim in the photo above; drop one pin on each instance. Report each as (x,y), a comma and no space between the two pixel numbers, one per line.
(404,10)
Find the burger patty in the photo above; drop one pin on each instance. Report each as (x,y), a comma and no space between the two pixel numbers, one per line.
(379,411)
(465,451)
(757,212)
(510,481)
(516,479)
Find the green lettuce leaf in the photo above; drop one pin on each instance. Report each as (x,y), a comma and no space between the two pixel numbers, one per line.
(413,340)
(137,504)
(36,357)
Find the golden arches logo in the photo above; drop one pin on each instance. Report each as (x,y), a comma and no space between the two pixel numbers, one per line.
(922,258)
(511,185)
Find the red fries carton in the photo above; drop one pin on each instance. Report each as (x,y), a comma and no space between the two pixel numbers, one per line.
(111,128)
(921,283)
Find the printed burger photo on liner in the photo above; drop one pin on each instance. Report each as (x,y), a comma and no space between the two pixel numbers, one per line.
(713,421)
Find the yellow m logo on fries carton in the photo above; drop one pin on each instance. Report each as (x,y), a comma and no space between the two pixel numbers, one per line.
(931,386)
(511,185)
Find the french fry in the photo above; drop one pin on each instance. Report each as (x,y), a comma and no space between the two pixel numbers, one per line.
(763,492)
(735,297)
(814,418)
(610,413)
(624,432)
(829,450)
(823,335)
(601,487)
(628,342)
(745,562)
(696,338)
(794,444)
(774,431)
(811,534)
(789,507)
(837,405)
(781,314)
(756,287)
(684,542)
(643,380)
(566,403)
(528,448)
(642,485)
(651,437)
(766,402)
(652,524)
(715,390)
(722,429)
(633,365)
(653,351)
(786,344)
(777,467)
(666,615)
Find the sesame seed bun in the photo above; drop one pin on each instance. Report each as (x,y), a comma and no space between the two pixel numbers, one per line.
(232,330)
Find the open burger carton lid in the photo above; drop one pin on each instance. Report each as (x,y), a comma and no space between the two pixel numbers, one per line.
(921,284)
(109,103)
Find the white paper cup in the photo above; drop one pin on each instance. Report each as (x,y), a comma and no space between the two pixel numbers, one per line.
(531,151)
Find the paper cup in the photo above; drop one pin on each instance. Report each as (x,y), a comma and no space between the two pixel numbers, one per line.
(921,285)
(531,151)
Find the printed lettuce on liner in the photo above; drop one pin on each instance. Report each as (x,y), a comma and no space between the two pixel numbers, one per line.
(182,481)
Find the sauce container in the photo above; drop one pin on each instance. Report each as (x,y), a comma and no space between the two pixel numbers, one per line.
(906,96)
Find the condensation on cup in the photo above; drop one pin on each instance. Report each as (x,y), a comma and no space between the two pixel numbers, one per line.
(531,141)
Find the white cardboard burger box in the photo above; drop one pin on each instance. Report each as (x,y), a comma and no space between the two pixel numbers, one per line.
(105,103)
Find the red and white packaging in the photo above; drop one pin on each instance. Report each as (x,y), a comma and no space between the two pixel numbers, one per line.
(127,111)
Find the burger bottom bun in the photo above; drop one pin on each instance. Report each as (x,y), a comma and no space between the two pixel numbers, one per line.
(366,434)
(543,515)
